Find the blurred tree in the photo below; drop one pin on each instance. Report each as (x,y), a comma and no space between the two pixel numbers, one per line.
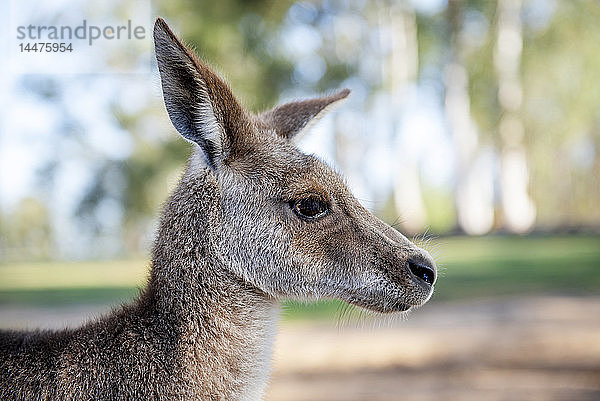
(401,72)
(26,233)
(240,35)
(519,209)
(474,194)
(526,106)
(561,110)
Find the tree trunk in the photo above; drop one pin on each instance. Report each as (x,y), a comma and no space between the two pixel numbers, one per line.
(518,209)
(402,67)
(474,195)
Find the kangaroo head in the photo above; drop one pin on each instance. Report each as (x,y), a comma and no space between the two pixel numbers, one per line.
(287,223)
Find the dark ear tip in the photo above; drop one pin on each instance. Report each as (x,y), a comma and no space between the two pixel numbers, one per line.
(160,27)
(343,93)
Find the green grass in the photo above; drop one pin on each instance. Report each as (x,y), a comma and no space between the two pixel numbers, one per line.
(56,297)
(483,267)
(502,266)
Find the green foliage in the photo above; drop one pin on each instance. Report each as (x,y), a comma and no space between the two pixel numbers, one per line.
(562,98)
(25,233)
(235,35)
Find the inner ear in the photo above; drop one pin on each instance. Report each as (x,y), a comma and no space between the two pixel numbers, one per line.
(293,118)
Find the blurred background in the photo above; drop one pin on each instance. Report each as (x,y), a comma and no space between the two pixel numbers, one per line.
(473,127)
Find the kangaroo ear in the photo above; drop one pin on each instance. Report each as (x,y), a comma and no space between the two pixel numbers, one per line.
(290,119)
(201,106)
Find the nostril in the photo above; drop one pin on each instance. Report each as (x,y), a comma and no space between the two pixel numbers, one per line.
(423,272)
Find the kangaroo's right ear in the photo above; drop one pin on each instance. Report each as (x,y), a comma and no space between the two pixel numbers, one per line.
(291,119)
(200,105)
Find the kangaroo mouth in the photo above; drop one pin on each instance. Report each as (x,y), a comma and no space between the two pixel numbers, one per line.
(380,308)
(384,304)
(389,296)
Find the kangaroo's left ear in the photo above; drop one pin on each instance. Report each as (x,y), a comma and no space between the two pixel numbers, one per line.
(291,119)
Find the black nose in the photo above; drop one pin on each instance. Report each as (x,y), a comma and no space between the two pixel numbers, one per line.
(421,271)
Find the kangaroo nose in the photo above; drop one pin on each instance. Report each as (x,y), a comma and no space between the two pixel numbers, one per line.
(421,271)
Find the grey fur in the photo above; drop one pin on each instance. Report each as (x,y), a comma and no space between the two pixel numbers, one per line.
(228,249)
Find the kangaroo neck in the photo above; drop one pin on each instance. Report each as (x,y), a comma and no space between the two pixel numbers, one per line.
(224,326)
(224,332)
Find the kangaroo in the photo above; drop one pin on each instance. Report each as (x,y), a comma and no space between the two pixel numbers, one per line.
(252,221)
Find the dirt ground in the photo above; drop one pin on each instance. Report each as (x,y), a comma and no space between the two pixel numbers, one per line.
(521,349)
(515,349)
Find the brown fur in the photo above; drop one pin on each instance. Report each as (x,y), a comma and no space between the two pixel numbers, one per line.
(230,246)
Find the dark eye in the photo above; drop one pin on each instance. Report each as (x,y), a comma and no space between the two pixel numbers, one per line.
(311,207)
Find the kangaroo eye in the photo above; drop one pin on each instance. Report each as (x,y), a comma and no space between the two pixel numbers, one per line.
(311,208)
